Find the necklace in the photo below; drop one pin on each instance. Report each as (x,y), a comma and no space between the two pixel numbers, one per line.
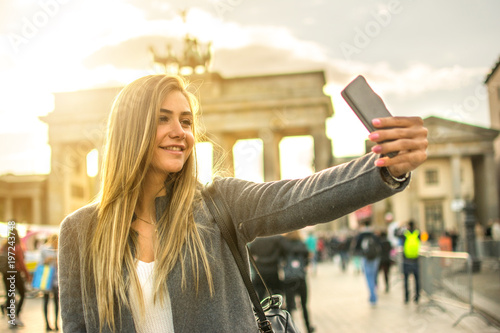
(145,220)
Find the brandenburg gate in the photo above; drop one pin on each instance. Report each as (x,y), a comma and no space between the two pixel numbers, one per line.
(266,107)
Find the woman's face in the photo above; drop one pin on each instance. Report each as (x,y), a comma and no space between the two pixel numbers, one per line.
(174,135)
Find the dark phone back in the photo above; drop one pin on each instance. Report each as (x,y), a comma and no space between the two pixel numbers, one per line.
(364,102)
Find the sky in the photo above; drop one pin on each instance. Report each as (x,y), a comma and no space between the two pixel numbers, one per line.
(425,58)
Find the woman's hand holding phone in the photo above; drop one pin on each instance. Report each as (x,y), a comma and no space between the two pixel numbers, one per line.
(405,135)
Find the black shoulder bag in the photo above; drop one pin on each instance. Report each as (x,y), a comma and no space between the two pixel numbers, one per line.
(270,317)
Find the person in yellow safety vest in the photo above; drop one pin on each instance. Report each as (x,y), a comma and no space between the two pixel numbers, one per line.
(411,247)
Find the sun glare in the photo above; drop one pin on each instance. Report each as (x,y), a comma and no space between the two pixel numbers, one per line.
(93,163)
(204,157)
(296,156)
(248,160)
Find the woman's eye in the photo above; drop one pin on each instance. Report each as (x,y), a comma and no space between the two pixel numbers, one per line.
(163,119)
(187,122)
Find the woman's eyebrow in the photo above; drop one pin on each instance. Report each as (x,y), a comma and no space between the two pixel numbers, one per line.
(183,113)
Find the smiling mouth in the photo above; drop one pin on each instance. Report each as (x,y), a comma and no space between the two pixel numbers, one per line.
(172,148)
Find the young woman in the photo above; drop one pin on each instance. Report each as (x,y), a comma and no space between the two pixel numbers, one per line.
(148,257)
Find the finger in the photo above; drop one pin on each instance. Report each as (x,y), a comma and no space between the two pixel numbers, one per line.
(411,161)
(413,132)
(387,147)
(404,162)
(387,161)
(397,122)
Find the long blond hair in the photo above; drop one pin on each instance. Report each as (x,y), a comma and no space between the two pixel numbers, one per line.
(129,152)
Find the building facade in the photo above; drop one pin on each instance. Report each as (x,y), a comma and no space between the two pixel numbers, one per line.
(493,86)
(23,198)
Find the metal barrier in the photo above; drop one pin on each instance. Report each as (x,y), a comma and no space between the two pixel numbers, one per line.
(489,253)
(430,278)
(445,274)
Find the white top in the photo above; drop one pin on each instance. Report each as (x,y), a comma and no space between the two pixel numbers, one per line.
(157,318)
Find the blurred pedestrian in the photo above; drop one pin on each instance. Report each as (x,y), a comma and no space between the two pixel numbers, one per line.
(267,252)
(454,238)
(392,228)
(444,242)
(495,230)
(296,260)
(312,246)
(385,258)
(411,247)
(332,246)
(355,253)
(48,253)
(488,231)
(19,276)
(368,244)
(343,248)
(320,249)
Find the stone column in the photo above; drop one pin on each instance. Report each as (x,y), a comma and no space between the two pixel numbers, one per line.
(36,207)
(58,185)
(9,212)
(491,193)
(455,176)
(271,141)
(455,186)
(322,148)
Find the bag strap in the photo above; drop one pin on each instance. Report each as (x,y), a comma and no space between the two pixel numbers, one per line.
(220,213)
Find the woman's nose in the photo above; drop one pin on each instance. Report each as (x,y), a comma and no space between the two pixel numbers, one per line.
(177,131)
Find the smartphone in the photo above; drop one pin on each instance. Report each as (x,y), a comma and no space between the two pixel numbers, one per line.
(365,103)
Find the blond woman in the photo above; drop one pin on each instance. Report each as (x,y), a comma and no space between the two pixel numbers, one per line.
(148,257)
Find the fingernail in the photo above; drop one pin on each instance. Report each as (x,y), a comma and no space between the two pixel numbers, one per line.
(376,149)
(379,162)
(376,122)
(373,136)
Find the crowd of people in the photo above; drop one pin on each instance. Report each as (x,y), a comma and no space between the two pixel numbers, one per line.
(371,251)
(286,262)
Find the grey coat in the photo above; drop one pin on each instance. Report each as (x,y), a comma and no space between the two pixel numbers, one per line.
(257,209)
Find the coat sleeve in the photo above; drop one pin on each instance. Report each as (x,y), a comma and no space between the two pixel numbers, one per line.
(263,209)
(70,294)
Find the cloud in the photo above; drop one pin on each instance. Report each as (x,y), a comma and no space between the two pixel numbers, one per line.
(226,37)
(131,53)
(416,79)
(258,59)
(265,49)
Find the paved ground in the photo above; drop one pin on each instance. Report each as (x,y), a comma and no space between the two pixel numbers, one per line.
(339,303)
(31,316)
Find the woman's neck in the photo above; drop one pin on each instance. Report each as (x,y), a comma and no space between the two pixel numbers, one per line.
(153,186)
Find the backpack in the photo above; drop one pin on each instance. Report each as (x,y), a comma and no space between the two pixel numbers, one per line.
(412,244)
(370,248)
(295,267)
